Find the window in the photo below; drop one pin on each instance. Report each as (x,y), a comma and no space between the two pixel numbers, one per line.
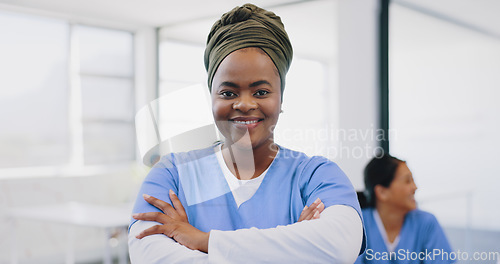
(67,96)
(34,91)
(106,83)
(444,109)
(180,65)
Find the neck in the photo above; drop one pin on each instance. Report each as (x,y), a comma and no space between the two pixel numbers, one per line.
(392,219)
(248,163)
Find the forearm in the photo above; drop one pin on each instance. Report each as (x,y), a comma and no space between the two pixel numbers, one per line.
(159,249)
(334,238)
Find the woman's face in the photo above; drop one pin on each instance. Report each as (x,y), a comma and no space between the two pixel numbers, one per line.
(401,192)
(246,98)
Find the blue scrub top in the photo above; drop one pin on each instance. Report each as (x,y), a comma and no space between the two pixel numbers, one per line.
(421,240)
(292,181)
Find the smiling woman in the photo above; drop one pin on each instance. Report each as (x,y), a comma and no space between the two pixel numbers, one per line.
(246,199)
(246,101)
(393,223)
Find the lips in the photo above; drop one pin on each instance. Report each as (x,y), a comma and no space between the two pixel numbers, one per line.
(246,119)
(245,122)
(248,122)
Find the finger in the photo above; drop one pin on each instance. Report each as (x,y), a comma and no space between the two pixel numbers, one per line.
(177,204)
(152,216)
(304,211)
(308,212)
(312,207)
(303,214)
(317,201)
(318,207)
(319,210)
(308,216)
(157,229)
(162,205)
(316,214)
(321,207)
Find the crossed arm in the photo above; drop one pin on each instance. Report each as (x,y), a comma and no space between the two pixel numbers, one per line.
(167,237)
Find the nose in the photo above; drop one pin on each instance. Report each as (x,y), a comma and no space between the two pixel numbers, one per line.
(245,102)
(414,187)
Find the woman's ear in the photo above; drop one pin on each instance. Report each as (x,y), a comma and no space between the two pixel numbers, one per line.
(381,192)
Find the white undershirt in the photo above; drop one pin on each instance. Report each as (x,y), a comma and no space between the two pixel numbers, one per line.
(390,246)
(242,190)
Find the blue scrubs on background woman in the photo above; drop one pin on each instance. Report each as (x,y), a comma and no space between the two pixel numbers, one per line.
(420,238)
(396,231)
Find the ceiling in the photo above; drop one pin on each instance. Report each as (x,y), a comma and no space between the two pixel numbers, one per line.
(481,15)
(141,12)
(165,12)
(310,23)
(190,20)
(313,29)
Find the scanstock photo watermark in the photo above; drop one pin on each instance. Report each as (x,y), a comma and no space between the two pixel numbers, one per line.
(430,255)
(337,143)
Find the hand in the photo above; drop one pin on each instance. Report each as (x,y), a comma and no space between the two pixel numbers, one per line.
(313,211)
(174,223)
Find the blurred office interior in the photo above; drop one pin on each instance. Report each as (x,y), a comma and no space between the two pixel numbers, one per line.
(417,78)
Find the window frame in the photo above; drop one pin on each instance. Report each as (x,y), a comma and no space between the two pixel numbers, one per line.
(75,166)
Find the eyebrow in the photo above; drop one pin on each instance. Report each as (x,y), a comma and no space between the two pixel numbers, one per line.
(229,84)
(254,84)
(257,83)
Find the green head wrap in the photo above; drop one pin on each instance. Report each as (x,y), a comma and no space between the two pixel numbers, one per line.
(244,27)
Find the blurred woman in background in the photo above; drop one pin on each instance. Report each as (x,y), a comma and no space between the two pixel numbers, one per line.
(397,232)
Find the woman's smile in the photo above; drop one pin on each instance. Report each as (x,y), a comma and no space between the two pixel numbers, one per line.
(246,122)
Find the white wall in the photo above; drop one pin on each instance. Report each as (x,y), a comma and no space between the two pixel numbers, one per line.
(358,86)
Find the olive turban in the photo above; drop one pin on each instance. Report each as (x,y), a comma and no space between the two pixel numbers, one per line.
(248,26)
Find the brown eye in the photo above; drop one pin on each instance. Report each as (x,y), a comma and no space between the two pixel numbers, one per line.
(227,94)
(261,93)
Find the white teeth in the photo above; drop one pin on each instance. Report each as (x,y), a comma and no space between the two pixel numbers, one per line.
(246,122)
